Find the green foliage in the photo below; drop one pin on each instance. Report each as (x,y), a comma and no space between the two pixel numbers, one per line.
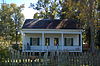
(11,19)
(98,39)
(47,9)
(15,46)
(4,53)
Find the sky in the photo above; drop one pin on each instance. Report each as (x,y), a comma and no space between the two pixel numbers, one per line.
(28,12)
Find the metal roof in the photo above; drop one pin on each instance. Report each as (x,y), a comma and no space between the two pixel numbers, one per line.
(51,24)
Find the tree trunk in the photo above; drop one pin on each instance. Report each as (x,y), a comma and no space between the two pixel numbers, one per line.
(91,25)
(92,47)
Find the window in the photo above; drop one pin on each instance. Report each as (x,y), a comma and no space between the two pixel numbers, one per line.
(79,40)
(47,41)
(68,41)
(34,41)
(56,41)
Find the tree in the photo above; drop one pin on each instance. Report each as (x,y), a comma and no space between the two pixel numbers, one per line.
(98,24)
(56,9)
(10,19)
(84,10)
(48,9)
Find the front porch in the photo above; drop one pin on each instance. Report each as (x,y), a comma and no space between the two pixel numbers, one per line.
(69,42)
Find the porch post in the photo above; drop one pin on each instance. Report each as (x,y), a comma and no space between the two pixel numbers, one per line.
(62,40)
(23,41)
(81,41)
(42,41)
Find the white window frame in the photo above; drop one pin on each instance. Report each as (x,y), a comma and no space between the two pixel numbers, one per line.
(68,38)
(58,41)
(36,38)
(49,41)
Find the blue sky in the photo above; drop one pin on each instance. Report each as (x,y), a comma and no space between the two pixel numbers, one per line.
(28,12)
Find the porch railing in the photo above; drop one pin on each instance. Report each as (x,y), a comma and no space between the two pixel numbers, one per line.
(53,48)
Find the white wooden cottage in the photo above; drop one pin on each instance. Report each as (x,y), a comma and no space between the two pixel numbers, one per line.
(42,35)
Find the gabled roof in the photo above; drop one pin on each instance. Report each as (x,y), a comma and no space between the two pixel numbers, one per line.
(51,24)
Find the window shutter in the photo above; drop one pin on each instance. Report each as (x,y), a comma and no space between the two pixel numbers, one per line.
(38,41)
(30,41)
(79,41)
(65,42)
(71,41)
